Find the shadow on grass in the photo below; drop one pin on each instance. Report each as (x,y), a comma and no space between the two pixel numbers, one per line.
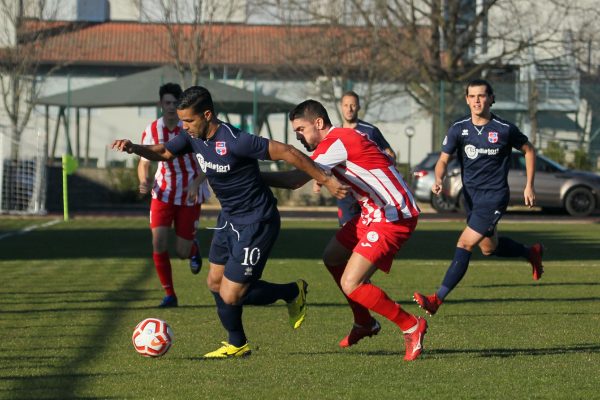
(299,243)
(510,352)
(64,381)
(442,353)
(522,300)
(545,284)
(112,309)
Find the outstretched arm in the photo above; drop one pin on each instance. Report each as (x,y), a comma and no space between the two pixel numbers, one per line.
(154,152)
(291,155)
(286,179)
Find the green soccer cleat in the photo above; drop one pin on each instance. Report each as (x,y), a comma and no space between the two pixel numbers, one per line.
(297,307)
(229,350)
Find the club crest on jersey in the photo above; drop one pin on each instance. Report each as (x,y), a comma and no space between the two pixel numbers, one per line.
(221,148)
(493,137)
(372,236)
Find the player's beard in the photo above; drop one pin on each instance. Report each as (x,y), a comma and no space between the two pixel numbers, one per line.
(307,146)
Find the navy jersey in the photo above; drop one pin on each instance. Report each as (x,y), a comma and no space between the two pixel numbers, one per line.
(373,133)
(229,160)
(483,151)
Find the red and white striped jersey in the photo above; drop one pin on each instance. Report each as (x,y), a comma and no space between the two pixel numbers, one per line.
(375,182)
(173,178)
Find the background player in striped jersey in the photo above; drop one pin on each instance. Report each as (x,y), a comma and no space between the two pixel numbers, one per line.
(348,207)
(177,195)
(483,144)
(369,241)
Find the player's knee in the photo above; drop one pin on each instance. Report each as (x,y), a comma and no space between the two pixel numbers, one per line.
(230,298)
(348,285)
(465,245)
(213,284)
(487,252)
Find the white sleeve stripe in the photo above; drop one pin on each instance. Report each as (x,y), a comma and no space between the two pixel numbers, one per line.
(501,123)
(464,120)
(334,155)
(229,129)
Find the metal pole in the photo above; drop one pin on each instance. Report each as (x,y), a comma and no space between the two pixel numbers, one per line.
(255,109)
(409,148)
(442,106)
(1,167)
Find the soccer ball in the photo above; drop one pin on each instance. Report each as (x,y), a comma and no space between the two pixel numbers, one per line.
(152,337)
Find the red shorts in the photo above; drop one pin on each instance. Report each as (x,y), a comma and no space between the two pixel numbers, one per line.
(378,242)
(185,218)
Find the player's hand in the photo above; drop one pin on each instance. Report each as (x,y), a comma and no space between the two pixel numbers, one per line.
(123,145)
(192,195)
(316,187)
(144,187)
(336,188)
(436,188)
(529,195)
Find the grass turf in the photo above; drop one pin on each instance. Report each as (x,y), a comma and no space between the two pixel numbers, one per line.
(73,292)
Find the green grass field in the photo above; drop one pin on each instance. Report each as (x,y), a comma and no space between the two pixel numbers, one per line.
(72,293)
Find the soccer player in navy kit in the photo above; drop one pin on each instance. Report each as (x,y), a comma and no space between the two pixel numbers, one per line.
(483,143)
(249,220)
(348,207)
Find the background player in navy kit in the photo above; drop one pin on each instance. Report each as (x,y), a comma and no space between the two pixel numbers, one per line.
(483,143)
(249,220)
(348,207)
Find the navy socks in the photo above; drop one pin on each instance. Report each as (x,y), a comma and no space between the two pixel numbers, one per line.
(261,293)
(231,319)
(509,248)
(455,272)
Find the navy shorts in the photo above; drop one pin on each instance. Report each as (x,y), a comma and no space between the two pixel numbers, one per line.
(243,249)
(484,209)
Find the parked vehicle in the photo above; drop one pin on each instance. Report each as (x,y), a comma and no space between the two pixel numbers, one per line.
(423,177)
(556,187)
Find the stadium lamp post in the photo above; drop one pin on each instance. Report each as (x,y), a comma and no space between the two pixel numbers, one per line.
(409,132)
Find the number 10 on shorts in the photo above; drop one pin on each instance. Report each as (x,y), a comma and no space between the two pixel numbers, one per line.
(251,257)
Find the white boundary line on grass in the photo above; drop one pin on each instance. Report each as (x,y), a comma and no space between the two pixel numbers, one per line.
(29,229)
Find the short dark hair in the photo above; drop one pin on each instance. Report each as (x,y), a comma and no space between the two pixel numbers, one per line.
(480,82)
(170,88)
(197,98)
(352,93)
(311,110)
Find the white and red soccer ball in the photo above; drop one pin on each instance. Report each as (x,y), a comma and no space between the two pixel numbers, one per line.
(152,337)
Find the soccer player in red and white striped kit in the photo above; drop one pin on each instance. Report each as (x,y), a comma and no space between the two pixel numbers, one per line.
(368,242)
(177,194)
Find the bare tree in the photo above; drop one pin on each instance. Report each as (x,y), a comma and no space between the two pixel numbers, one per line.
(193,30)
(424,48)
(20,46)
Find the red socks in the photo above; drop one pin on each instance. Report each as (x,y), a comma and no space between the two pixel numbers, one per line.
(373,298)
(163,270)
(362,316)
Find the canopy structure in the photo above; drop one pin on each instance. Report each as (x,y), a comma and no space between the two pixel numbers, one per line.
(139,90)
